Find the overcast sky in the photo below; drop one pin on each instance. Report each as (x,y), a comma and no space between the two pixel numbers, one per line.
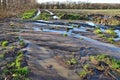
(91,1)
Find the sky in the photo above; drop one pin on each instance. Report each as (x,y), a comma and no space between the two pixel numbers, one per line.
(91,1)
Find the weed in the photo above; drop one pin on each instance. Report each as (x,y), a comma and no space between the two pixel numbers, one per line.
(65,34)
(5,43)
(83,73)
(92,58)
(101,35)
(97,31)
(21,42)
(111,40)
(20,73)
(86,66)
(101,57)
(111,33)
(112,62)
(72,61)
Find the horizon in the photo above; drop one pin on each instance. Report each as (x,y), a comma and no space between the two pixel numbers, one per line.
(90,1)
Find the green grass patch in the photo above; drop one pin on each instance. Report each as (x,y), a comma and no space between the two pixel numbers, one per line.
(21,42)
(112,62)
(28,14)
(18,71)
(4,43)
(72,61)
(83,73)
(108,35)
(97,31)
(65,34)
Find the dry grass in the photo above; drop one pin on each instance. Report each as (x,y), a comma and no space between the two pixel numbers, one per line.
(14,11)
(110,12)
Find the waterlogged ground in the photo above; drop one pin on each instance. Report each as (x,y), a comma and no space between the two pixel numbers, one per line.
(53,48)
(52,44)
(50,49)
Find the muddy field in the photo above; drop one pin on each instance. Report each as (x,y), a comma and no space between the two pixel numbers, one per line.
(48,50)
(58,50)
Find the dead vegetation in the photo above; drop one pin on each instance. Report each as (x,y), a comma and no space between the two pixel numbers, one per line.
(10,8)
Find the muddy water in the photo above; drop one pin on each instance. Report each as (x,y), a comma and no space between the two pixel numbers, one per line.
(106,46)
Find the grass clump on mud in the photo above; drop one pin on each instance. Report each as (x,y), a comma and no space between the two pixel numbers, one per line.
(65,34)
(103,64)
(108,35)
(110,61)
(72,61)
(21,42)
(13,64)
(4,43)
(29,14)
(93,66)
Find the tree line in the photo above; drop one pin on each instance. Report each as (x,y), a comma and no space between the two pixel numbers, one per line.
(15,4)
(10,8)
(78,5)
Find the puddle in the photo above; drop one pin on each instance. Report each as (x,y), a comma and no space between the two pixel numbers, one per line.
(79,29)
(56,31)
(91,23)
(118,32)
(36,29)
(82,29)
(55,17)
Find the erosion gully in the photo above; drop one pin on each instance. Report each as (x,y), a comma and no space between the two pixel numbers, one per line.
(46,41)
